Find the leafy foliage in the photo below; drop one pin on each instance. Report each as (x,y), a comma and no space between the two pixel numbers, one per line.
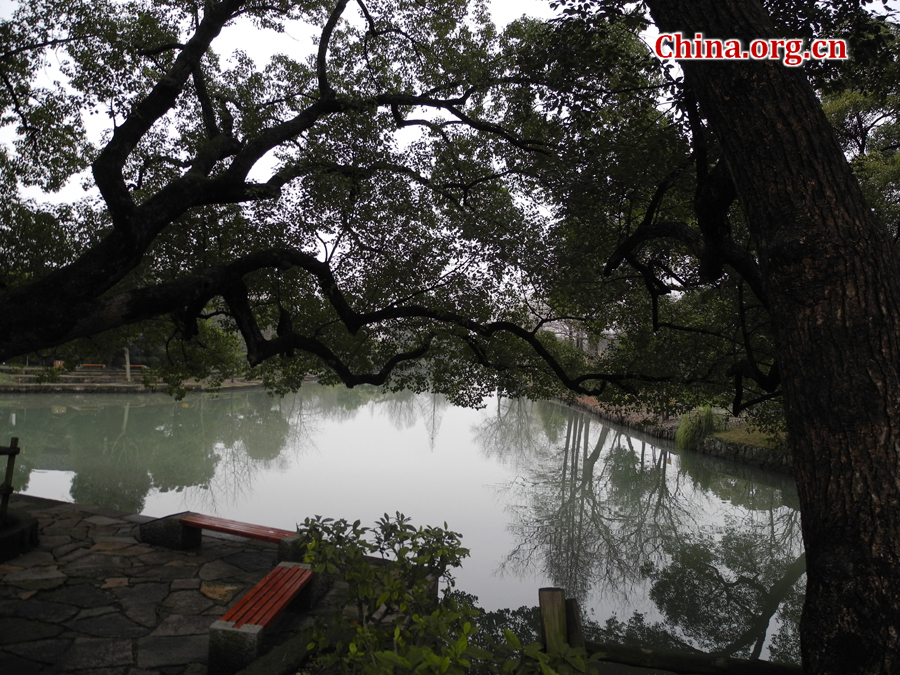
(864,113)
(694,427)
(400,626)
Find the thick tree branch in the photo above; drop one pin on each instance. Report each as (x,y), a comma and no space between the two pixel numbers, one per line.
(325,89)
(107,168)
(39,45)
(186,298)
(395,101)
(159,49)
(206,108)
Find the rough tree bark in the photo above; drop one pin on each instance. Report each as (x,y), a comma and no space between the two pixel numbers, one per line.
(831,277)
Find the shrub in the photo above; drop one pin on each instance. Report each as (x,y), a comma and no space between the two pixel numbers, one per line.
(48,375)
(694,427)
(399,625)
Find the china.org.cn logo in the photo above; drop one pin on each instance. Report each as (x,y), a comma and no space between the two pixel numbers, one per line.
(790,51)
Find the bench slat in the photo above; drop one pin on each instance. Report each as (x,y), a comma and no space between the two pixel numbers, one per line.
(272,608)
(259,532)
(245,604)
(269,597)
(262,593)
(269,604)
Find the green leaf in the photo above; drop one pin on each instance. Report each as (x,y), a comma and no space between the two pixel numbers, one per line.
(546,669)
(511,639)
(511,665)
(478,653)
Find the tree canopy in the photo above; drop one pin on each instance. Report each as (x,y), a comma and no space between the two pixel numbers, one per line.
(415,188)
(354,238)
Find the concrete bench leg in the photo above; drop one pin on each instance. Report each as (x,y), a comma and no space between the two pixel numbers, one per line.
(169,532)
(18,535)
(232,649)
(291,550)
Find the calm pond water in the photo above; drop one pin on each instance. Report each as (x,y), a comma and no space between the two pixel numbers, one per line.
(669,548)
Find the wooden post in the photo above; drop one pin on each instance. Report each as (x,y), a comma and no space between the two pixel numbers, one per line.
(574,633)
(6,487)
(553,618)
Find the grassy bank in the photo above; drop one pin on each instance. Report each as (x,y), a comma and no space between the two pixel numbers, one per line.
(745,436)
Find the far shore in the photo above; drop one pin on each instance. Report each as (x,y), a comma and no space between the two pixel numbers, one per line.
(654,427)
(117,387)
(644,424)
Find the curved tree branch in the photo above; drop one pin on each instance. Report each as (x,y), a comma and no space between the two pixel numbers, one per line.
(107,168)
(325,89)
(186,298)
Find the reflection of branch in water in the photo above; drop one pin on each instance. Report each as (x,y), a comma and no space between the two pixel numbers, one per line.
(769,604)
(583,528)
(519,431)
(400,408)
(248,438)
(713,590)
(233,481)
(596,521)
(254,434)
(431,408)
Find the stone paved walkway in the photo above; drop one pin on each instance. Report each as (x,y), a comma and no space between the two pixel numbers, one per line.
(91,599)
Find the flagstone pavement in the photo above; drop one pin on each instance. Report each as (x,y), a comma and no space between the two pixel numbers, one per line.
(91,599)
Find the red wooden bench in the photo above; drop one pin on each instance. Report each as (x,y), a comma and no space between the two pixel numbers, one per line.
(270,596)
(236,639)
(258,532)
(184,531)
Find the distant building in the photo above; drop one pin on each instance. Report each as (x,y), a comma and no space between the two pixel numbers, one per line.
(573,332)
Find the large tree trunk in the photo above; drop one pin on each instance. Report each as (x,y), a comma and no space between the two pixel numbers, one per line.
(831,276)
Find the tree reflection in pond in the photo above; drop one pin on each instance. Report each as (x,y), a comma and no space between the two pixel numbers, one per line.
(605,515)
(122,448)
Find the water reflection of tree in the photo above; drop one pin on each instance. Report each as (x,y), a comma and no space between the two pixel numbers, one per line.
(723,594)
(405,409)
(601,516)
(514,431)
(589,525)
(121,448)
(245,433)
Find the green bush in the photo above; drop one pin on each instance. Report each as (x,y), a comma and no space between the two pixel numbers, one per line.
(399,625)
(48,375)
(694,427)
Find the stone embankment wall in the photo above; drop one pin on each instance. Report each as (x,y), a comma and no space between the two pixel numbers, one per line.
(763,458)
